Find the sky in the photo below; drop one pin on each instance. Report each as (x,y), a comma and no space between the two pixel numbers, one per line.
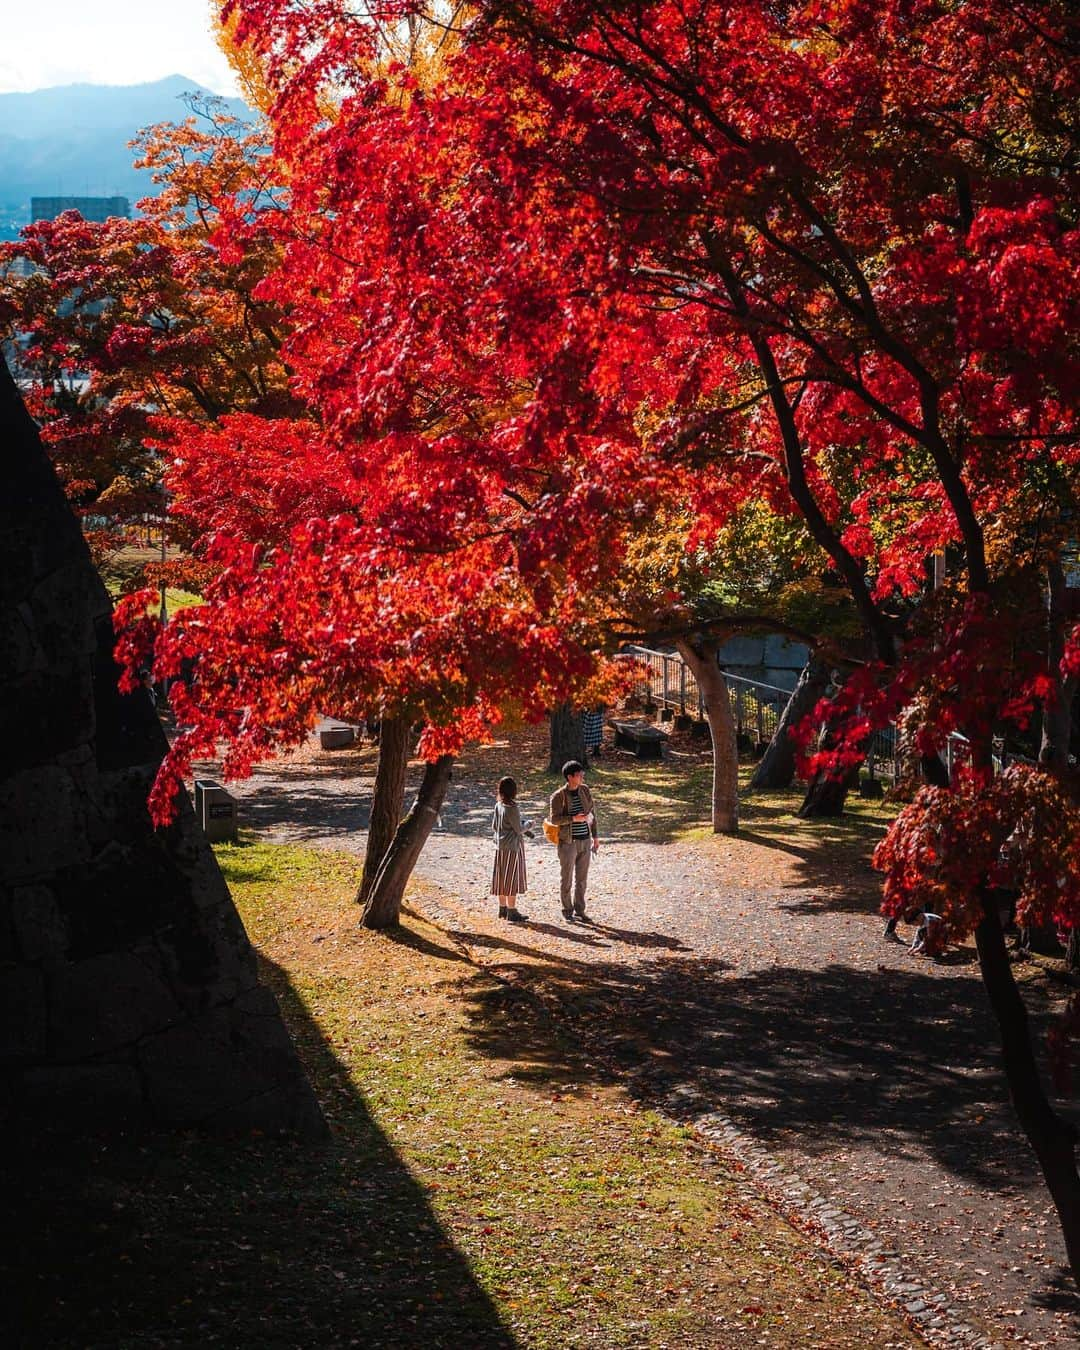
(52,42)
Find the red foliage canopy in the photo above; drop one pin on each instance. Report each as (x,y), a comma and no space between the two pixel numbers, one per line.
(599,259)
(604,256)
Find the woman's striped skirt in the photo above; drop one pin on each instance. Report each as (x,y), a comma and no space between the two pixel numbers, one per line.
(508,876)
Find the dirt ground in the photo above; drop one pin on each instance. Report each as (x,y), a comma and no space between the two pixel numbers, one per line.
(751,974)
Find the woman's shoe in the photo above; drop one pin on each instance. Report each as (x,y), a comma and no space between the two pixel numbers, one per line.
(516,916)
(502,911)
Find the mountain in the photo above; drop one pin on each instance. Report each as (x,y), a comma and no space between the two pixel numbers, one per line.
(73,141)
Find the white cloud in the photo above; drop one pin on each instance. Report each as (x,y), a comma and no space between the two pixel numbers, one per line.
(112,42)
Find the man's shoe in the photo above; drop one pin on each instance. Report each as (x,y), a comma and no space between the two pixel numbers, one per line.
(581,916)
(568,915)
(516,916)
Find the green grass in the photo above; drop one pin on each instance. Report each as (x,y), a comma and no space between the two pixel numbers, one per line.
(176,599)
(485,1186)
(123,573)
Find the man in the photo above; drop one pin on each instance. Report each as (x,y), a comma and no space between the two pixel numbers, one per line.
(571,809)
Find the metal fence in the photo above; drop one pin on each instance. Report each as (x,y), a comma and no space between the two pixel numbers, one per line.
(757,707)
(670,683)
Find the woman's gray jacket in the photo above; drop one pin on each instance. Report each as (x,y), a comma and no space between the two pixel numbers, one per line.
(506,825)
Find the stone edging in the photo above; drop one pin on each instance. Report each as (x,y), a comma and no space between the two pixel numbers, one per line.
(843,1236)
(840,1235)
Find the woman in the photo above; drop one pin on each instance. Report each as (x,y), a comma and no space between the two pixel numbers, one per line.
(508,877)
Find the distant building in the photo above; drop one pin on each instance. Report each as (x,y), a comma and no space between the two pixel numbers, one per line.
(18,267)
(90,208)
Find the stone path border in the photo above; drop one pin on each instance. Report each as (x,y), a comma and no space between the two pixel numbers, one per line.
(314,800)
(857,1248)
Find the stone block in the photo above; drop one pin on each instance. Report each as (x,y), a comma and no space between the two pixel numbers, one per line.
(40,930)
(289,1108)
(215,1063)
(336,735)
(216,811)
(20,652)
(41,824)
(788,655)
(742,651)
(197,861)
(209,961)
(64,610)
(257,1002)
(84,1096)
(107,1002)
(22,1014)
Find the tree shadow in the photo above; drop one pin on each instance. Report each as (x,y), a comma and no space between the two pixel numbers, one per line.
(829,857)
(184,1240)
(567,932)
(406,937)
(494,942)
(630,937)
(829,1057)
(898,1069)
(586,933)
(312,812)
(1061,1296)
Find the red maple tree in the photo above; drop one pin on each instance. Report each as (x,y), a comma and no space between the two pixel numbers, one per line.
(818,255)
(120,323)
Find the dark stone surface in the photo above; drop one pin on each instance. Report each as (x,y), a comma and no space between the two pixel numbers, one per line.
(41,934)
(101,1096)
(128,988)
(110,1001)
(22,1015)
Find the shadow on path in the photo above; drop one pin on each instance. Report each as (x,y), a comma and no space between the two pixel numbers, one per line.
(312,811)
(827,1058)
(185,1241)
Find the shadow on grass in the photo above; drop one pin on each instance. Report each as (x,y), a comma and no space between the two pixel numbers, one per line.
(832,856)
(405,937)
(821,1063)
(186,1241)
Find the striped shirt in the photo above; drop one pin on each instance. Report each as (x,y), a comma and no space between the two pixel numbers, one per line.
(579,829)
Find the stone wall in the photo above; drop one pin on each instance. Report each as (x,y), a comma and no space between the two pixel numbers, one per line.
(128,988)
(770,660)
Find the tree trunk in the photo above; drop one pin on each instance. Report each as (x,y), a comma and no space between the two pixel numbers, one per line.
(826,795)
(567,737)
(1057,712)
(700,655)
(777,767)
(383,908)
(1052,1138)
(1072,952)
(387,799)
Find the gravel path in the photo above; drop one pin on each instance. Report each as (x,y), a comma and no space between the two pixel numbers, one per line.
(740,972)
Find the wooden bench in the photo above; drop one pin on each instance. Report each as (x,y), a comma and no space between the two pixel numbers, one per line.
(645,740)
